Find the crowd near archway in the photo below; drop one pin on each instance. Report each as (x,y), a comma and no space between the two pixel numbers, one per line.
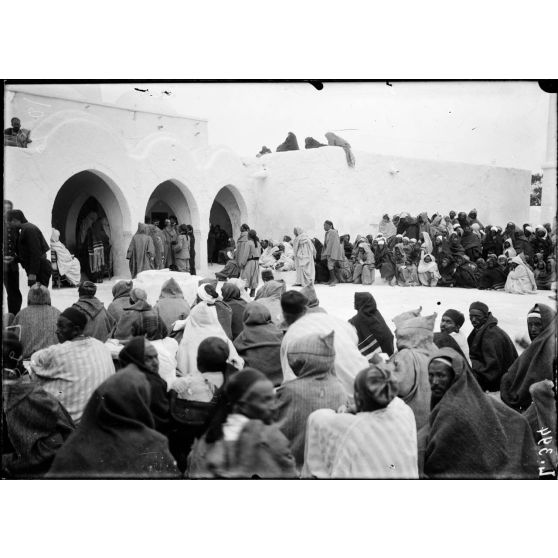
(86,197)
(227,213)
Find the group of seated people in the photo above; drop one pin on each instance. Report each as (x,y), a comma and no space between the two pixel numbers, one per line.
(452,251)
(276,387)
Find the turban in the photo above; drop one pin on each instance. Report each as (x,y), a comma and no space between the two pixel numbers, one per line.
(455,316)
(87,288)
(293,302)
(207,293)
(242,382)
(138,294)
(376,386)
(481,306)
(75,316)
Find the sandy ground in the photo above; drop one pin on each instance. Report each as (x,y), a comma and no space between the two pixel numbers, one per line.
(510,310)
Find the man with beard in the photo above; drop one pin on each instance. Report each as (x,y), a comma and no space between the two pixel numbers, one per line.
(491,350)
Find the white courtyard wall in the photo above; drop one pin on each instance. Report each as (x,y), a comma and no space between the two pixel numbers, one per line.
(303,188)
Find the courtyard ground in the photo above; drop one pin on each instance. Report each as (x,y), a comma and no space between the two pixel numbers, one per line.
(510,309)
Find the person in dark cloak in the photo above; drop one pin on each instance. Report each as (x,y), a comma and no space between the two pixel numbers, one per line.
(99,322)
(290,143)
(116,437)
(311,143)
(140,356)
(374,336)
(470,434)
(31,249)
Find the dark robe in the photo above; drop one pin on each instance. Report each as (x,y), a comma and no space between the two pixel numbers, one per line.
(535,364)
(116,437)
(35,426)
(259,343)
(373,332)
(290,143)
(492,352)
(473,435)
(99,323)
(311,143)
(231,295)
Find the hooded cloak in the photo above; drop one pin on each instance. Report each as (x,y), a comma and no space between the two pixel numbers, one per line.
(116,437)
(473,435)
(374,336)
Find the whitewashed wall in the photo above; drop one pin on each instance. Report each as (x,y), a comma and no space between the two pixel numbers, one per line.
(303,188)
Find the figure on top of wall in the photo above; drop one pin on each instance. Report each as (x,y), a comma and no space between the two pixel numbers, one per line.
(263,151)
(334,139)
(290,143)
(16,136)
(311,143)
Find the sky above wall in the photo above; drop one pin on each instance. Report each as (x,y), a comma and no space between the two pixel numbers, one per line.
(493,123)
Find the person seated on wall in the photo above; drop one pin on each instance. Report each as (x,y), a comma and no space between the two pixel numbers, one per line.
(264,150)
(290,143)
(311,143)
(16,136)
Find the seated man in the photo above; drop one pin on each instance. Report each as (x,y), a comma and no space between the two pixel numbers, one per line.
(491,350)
(140,319)
(451,323)
(347,445)
(471,434)
(99,323)
(315,387)
(72,370)
(35,424)
(245,442)
(536,363)
(16,136)
(348,359)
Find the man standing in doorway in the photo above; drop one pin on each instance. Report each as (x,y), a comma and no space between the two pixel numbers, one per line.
(11,267)
(332,251)
(31,249)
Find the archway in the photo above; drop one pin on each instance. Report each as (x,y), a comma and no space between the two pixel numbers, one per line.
(172,198)
(227,213)
(169,198)
(82,193)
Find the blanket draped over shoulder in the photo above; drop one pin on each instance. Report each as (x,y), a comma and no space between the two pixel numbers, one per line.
(473,435)
(533,365)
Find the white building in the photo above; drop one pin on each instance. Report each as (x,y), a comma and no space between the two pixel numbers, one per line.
(138,157)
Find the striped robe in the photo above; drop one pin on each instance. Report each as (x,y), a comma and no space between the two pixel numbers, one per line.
(379,445)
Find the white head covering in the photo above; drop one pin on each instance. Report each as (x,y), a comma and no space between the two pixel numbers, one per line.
(200,324)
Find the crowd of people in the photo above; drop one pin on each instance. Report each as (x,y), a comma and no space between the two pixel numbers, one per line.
(275,387)
(456,250)
(251,382)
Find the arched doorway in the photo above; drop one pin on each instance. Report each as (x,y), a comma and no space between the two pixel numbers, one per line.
(172,198)
(169,198)
(227,213)
(86,192)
